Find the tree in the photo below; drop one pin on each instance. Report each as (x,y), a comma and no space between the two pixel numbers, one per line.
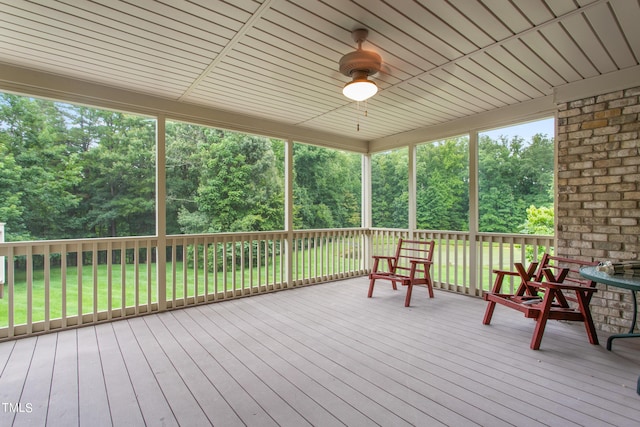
(390,190)
(118,185)
(512,176)
(443,185)
(239,188)
(35,149)
(539,221)
(327,188)
(186,148)
(11,208)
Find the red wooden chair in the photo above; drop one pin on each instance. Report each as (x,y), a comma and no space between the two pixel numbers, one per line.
(551,289)
(410,266)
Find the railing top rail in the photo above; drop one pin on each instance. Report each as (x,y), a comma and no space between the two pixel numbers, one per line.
(516,235)
(329,230)
(102,240)
(98,240)
(225,235)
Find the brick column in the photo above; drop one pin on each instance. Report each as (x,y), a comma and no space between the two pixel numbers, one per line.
(599,191)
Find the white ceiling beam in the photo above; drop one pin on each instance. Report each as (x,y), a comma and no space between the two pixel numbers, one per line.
(511,114)
(38,84)
(611,82)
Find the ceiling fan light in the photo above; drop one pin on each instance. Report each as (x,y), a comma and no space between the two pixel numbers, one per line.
(360,89)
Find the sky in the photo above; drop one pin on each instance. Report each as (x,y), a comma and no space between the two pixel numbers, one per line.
(526,130)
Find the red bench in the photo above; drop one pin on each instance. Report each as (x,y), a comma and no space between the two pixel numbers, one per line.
(550,289)
(410,266)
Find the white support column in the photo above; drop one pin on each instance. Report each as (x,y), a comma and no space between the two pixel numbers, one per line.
(556,194)
(288,210)
(366,210)
(1,261)
(413,150)
(161,212)
(473,213)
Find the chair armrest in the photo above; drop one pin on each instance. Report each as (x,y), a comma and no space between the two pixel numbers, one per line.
(378,258)
(506,272)
(567,286)
(414,266)
(500,274)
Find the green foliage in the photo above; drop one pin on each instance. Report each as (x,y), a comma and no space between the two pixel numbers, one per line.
(539,221)
(442,186)
(238,187)
(70,172)
(118,176)
(390,189)
(327,190)
(39,169)
(511,176)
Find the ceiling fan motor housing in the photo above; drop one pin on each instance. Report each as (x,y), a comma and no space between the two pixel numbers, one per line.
(360,60)
(364,61)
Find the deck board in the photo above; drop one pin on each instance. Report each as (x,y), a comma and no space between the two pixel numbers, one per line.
(291,365)
(62,408)
(153,404)
(322,355)
(265,366)
(178,395)
(120,391)
(192,336)
(208,398)
(13,379)
(37,386)
(92,392)
(222,346)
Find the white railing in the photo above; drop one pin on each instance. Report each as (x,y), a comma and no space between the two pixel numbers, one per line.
(53,285)
(465,264)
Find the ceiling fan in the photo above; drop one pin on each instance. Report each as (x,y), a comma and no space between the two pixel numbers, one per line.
(359,65)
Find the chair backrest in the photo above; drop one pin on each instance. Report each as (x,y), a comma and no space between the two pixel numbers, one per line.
(421,250)
(556,264)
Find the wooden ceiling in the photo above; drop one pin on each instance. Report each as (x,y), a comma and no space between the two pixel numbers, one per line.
(274,63)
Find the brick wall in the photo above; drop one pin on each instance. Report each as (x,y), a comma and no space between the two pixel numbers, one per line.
(598,215)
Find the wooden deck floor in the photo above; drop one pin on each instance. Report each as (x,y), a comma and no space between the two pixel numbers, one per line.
(325,356)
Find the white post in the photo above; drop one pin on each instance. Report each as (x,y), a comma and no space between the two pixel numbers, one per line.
(1,260)
(475,288)
(413,197)
(367,212)
(288,211)
(161,211)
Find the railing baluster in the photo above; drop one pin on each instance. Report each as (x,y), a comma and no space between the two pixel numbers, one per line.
(215,270)
(94,270)
(185,264)
(149,279)
(123,279)
(29,285)
(63,284)
(109,281)
(205,268)
(10,277)
(79,261)
(47,290)
(196,255)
